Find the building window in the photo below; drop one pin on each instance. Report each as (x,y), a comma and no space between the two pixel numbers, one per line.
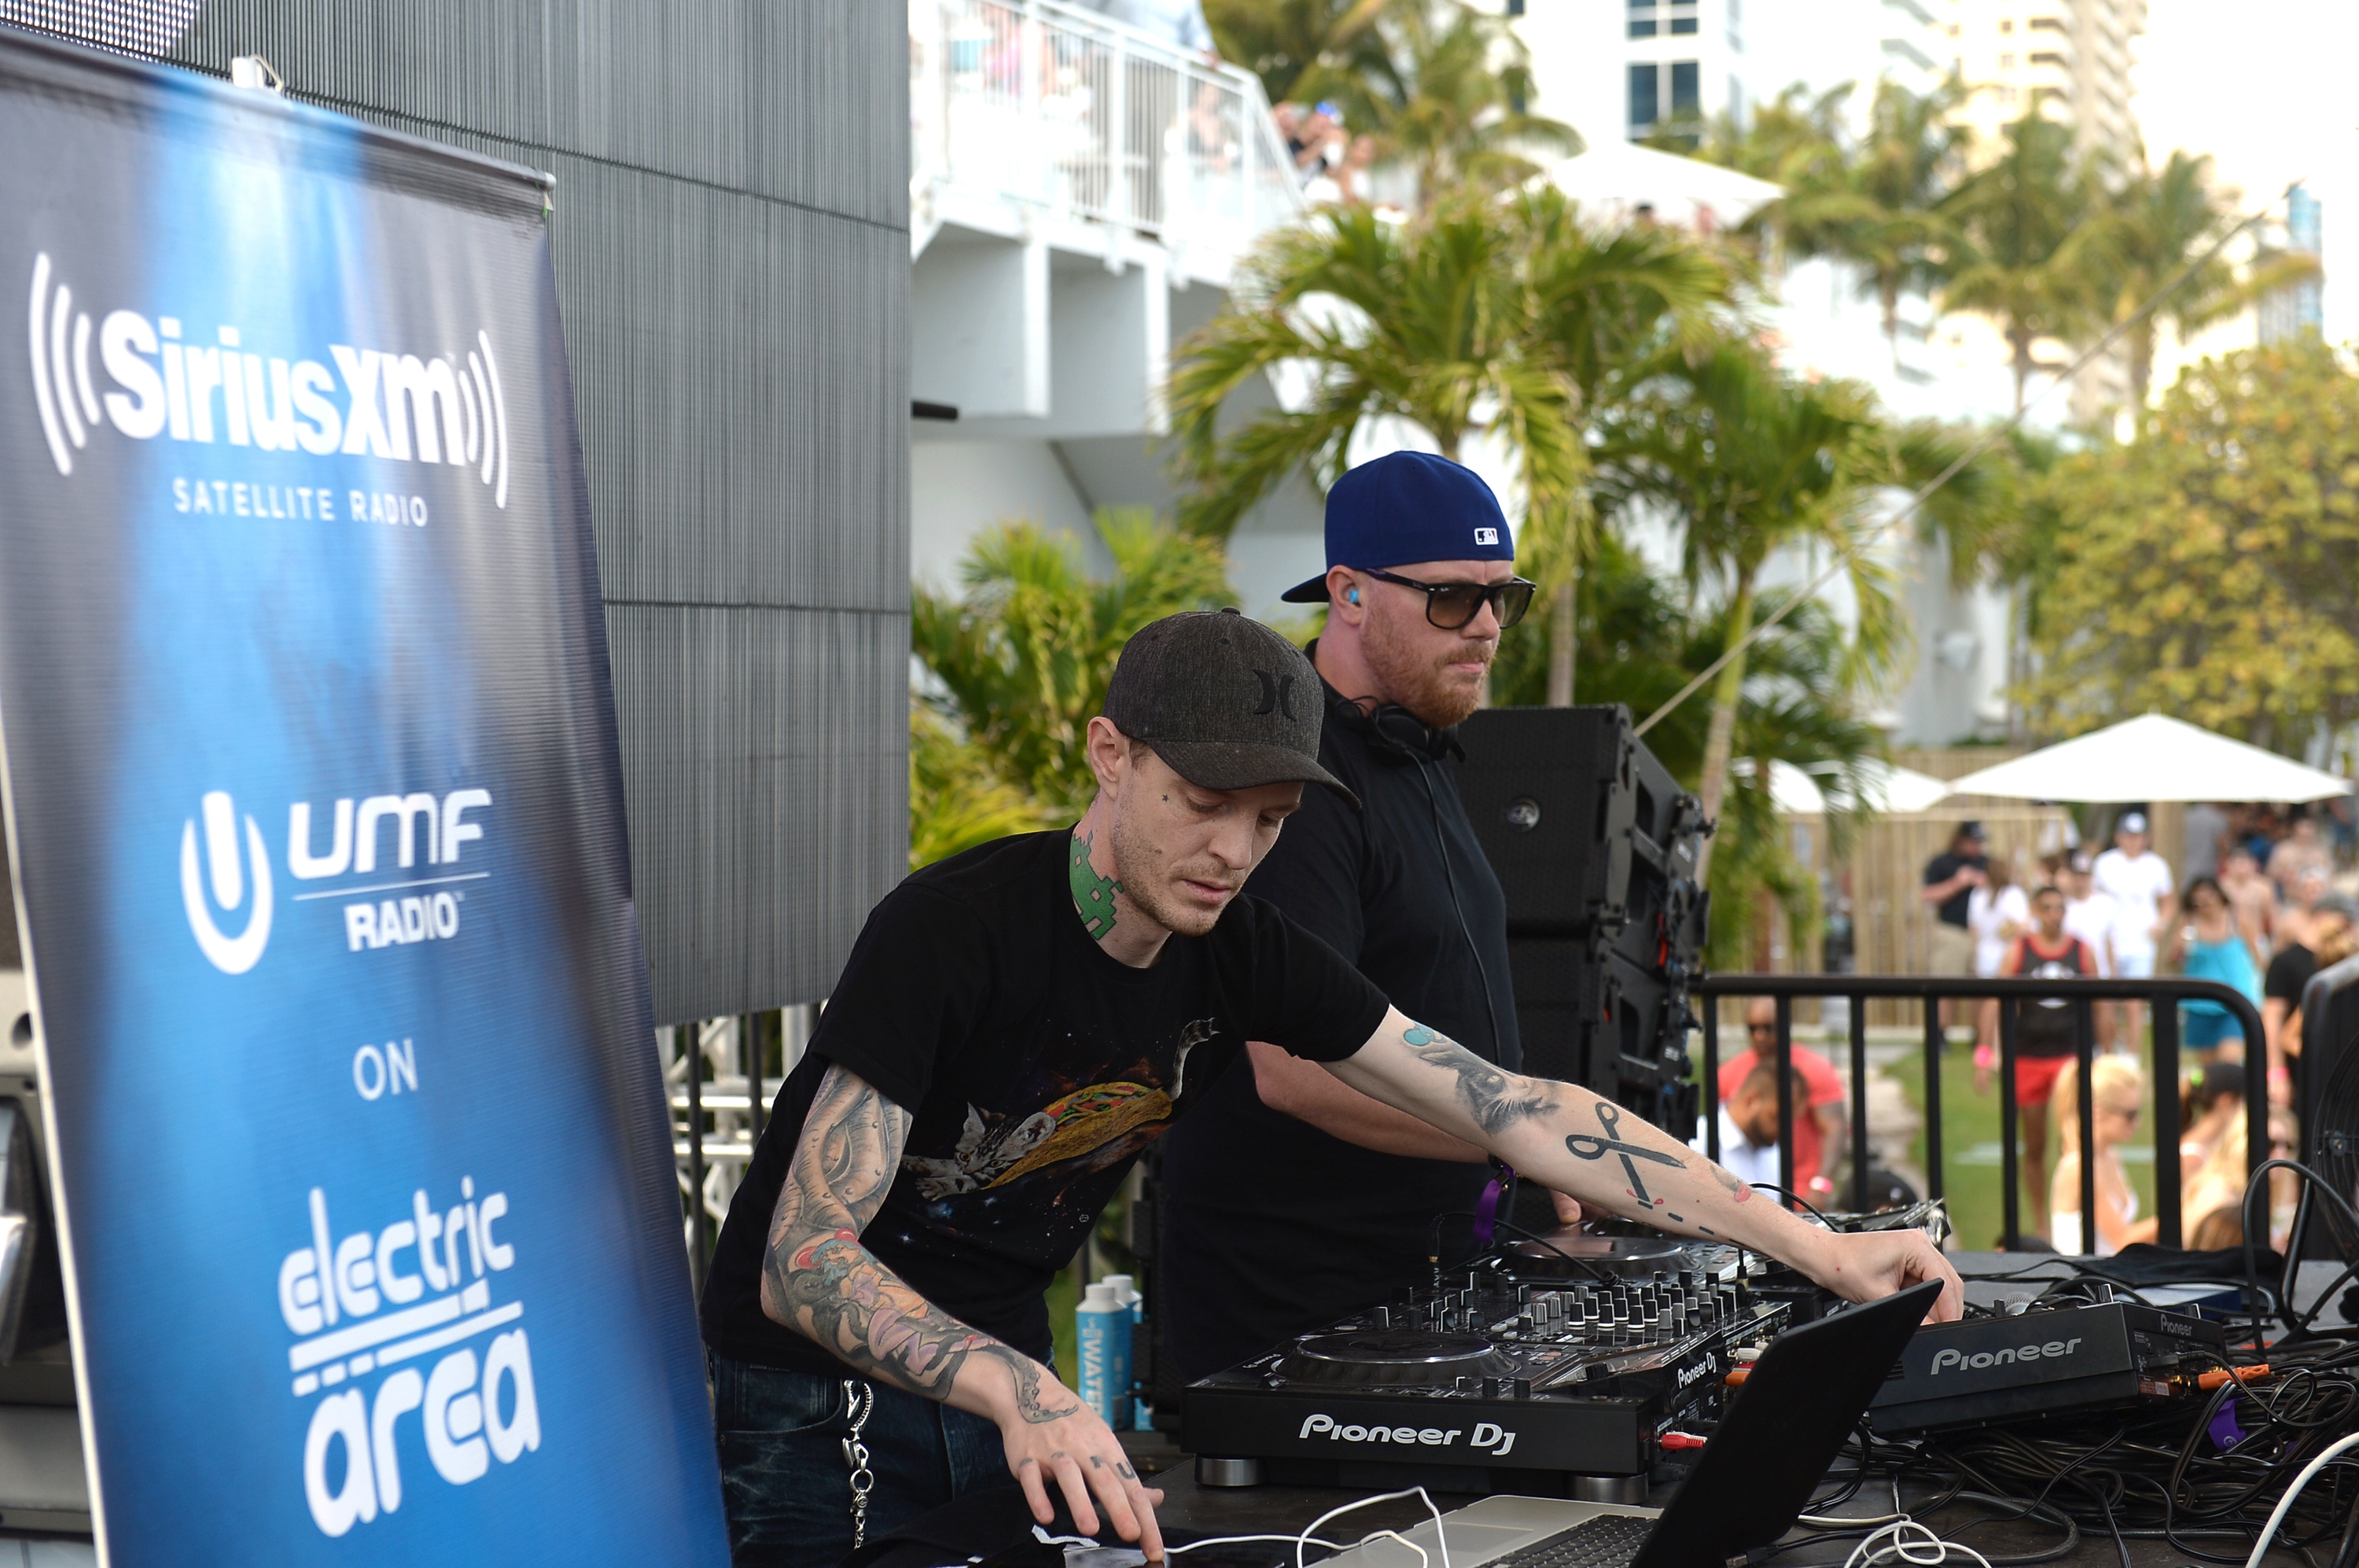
(1687,97)
(2051,24)
(1515,7)
(2006,63)
(1649,18)
(1645,105)
(2048,56)
(2007,24)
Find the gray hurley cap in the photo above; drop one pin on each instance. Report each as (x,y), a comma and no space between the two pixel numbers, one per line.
(1228,703)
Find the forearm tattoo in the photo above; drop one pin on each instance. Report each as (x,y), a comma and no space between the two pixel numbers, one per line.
(1497,1099)
(818,1279)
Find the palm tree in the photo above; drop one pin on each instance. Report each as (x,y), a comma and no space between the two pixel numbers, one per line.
(1427,321)
(1022,661)
(1277,41)
(1444,95)
(1900,174)
(1747,460)
(1601,305)
(2026,250)
(2158,223)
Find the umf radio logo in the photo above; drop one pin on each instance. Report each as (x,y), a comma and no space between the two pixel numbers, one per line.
(398,407)
(222,868)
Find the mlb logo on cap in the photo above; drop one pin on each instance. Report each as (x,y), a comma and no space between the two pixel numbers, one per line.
(1407,508)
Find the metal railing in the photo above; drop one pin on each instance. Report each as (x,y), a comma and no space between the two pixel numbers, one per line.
(1073,114)
(2163,992)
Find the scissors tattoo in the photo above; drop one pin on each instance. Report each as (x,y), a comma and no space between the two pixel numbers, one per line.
(1582,1146)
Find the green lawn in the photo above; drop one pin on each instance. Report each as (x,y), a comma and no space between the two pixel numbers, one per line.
(1971,1149)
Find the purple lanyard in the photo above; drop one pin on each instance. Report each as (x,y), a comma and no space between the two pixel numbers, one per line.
(1486,1208)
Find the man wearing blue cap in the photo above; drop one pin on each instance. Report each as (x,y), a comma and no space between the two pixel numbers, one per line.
(1293,1199)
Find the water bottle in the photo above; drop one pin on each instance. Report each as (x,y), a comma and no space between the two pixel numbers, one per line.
(1101,1327)
(1141,1417)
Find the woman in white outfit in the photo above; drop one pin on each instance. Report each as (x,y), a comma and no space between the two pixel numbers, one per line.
(2117,1094)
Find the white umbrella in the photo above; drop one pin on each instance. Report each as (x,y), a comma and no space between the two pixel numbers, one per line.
(1887,788)
(2153,758)
(1621,177)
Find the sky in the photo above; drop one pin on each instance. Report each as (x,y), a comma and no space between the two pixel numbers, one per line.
(2267,92)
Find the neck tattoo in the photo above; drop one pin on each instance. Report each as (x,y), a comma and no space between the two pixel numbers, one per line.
(1092,894)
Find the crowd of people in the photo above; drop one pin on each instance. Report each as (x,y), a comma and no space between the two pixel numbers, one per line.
(2257,913)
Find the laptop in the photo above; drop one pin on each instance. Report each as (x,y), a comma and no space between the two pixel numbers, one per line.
(1780,1433)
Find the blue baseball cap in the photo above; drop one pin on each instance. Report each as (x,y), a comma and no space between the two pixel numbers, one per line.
(1409,506)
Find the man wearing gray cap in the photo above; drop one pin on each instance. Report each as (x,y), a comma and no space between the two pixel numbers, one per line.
(1290,1198)
(1013,1026)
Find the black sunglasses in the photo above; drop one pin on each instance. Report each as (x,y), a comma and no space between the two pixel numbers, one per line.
(1451,605)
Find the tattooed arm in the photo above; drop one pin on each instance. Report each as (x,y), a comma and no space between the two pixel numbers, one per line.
(819,1280)
(1571,1140)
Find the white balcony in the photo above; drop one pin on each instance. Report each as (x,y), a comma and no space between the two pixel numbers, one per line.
(1079,194)
(1033,119)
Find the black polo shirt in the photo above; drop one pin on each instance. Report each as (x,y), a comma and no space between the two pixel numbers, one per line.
(1274,1228)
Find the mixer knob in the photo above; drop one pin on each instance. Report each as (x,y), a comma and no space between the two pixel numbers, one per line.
(1384,1317)
(1523,1388)
(1490,1388)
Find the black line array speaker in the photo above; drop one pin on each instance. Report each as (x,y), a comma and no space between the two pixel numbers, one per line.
(1594,844)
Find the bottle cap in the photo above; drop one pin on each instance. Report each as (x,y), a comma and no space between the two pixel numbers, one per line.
(1099,1295)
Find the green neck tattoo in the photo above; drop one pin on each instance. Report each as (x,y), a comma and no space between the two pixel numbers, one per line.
(1092,894)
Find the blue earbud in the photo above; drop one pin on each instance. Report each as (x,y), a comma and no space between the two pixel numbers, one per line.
(1351,595)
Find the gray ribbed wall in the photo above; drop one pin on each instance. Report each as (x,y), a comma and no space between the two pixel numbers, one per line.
(732,245)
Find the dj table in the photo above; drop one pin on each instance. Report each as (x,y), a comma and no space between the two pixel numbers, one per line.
(1281,1510)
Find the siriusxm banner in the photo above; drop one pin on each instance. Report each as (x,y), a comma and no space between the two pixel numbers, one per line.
(312,782)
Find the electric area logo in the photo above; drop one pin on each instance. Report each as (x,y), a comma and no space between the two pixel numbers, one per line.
(397,407)
(235,874)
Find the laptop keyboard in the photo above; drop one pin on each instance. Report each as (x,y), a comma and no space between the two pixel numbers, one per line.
(1609,1541)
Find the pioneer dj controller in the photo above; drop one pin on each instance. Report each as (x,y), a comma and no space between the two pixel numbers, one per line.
(1511,1367)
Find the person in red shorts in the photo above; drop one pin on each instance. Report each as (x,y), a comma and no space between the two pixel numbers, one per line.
(1818,1128)
(2044,1038)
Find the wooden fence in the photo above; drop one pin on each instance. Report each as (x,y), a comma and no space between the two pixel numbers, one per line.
(1884,868)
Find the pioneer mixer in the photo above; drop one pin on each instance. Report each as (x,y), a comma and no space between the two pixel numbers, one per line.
(1516,1379)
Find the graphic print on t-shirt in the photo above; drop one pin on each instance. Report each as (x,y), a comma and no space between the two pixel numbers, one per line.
(1083,1130)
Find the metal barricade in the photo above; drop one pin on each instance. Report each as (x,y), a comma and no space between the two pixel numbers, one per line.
(2163,992)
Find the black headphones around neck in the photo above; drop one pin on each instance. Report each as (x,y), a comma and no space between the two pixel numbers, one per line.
(1392,731)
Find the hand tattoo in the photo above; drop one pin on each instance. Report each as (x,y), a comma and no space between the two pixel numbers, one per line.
(819,1279)
(1497,1098)
(1092,894)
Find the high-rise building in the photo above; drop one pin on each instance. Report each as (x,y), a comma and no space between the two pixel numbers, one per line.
(2072,57)
(2069,60)
(2291,312)
(1628,69)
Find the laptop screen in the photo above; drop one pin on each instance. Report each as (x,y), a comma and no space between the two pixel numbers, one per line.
(1783,1430)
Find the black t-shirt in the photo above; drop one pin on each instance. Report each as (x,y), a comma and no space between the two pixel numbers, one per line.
(1276,1227)
(1941,868)
(1035,1069)
(2049,1026)
(2291,968)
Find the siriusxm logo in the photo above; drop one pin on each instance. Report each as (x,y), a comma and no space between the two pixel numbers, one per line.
(150,382)
(227,866)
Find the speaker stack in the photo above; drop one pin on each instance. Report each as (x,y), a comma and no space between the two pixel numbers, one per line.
(1594,844)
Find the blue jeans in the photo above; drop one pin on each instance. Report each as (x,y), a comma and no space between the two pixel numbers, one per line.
(783,1477)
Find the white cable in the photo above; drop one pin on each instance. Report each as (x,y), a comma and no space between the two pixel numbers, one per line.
(1923,1548)
(1303,1541)
(2284,1503)
(1234,1540)
(1422,1560)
